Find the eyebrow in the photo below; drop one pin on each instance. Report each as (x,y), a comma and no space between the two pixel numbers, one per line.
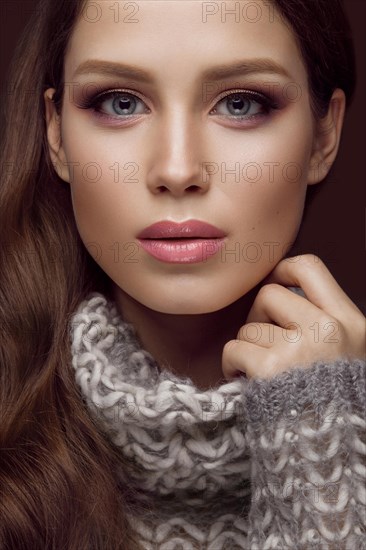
(219,72)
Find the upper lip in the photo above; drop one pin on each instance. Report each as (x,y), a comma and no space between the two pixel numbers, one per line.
(166,229)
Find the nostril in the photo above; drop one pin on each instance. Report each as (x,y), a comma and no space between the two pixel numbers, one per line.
(190,189)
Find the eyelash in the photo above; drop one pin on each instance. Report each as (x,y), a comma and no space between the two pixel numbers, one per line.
(94,102)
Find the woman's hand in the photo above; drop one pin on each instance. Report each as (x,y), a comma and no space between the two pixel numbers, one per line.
(284,330)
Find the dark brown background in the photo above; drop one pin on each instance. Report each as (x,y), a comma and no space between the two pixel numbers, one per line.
(334,225)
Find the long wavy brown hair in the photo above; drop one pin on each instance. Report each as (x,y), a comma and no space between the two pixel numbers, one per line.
(58,470)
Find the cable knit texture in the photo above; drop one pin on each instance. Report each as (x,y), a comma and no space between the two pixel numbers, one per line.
(255,465)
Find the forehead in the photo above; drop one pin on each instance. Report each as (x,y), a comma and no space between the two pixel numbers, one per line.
(182,37)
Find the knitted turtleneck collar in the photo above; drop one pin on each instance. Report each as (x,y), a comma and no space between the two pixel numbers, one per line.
(178,439)
(231,467)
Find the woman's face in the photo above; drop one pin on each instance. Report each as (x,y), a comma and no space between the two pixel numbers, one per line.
(184,140)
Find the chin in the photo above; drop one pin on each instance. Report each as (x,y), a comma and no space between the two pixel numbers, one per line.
(184,296)
(184,309)
(185,304)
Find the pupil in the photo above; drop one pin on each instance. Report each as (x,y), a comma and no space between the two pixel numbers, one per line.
(239,103)
(122,104)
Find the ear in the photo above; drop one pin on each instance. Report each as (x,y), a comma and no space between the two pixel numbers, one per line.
(53,122)
(327,138)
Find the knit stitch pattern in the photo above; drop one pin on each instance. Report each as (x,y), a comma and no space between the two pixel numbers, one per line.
(257,465)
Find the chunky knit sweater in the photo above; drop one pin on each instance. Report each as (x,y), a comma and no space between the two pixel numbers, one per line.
(252,464)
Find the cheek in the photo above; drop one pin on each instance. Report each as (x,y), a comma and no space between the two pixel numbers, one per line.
(264,203)
(265,177)
(284,184)
(105,186)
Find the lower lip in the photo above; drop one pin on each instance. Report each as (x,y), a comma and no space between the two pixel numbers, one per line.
(187,251)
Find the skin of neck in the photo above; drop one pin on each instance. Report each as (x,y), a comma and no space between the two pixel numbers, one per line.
(189,344)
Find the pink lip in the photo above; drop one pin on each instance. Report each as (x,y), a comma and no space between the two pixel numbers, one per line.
(188,242)
(189,229)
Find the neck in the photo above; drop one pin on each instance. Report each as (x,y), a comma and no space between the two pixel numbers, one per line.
(188,345)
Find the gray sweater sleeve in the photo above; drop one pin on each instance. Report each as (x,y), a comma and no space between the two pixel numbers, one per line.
(307,437)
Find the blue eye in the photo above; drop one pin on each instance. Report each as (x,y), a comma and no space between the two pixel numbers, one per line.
(116,103)
(241,105)
(245,105)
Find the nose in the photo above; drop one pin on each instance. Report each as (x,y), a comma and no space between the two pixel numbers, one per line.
(176,160)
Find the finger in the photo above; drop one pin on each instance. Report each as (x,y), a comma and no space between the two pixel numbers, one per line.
(275,303)
(243,357)
(261,334)
(311,274)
